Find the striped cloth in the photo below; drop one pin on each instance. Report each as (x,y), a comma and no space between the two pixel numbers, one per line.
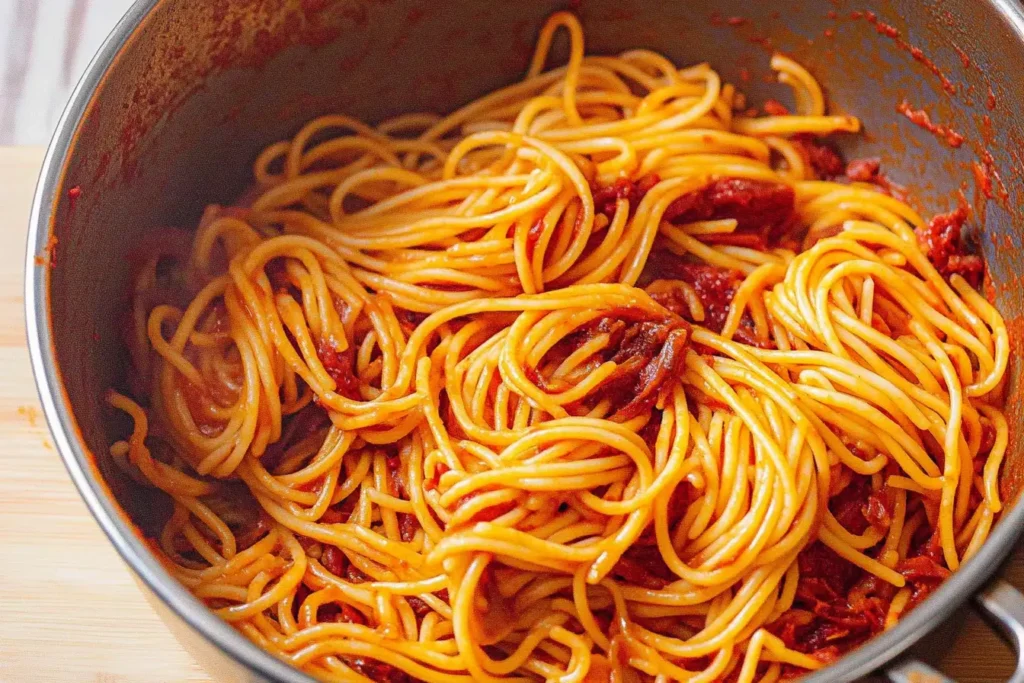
(45,46)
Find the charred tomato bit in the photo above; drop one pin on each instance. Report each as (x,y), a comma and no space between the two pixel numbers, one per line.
(823,159)
(297,427)
(863,170)
(340,365)
(714,286)
(607,196)
(942,240)
(761,209)
(334,560)
(775,108)
(650,355)
(340,613)
(643,565)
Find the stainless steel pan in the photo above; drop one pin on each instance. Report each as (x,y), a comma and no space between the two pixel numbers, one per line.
(175,106)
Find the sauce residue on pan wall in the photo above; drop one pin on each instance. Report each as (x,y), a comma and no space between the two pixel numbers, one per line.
(919,117)
(960,113)
(48,257)
(917,53)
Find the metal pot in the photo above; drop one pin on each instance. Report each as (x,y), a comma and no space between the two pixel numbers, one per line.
(173,109)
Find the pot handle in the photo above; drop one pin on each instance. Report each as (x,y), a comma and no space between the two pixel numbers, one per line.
(1002,605)
(914,671)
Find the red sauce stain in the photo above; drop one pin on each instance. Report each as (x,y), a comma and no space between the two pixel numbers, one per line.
(1012,284)
(988,289)
(829,33)
(832,14)
(775,108)
(964,59)
(987,133)
(880,26)
(416,13)
(1017,168)
(744,74)
(915,52)
(233,42)
(990,167)
(982,181)
(990,101)
(919,117)
(102,166)
(738,22)
(29,413)
(982,189)
(1015,328)
(48,257)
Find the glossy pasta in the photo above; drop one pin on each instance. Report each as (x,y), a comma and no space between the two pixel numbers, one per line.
(456,398)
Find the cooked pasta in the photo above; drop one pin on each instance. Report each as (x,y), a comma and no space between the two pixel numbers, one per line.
(601,377)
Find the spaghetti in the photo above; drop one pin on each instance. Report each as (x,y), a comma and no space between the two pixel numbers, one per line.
(600,377)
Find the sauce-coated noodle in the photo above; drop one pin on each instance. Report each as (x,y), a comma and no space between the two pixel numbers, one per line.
(597,378)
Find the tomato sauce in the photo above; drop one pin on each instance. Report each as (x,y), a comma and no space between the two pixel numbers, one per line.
(919,117)
(649,355)
(607,196)
(869,171)
(642,565)
(340,365)
(823,159)
(942,241)
(760,208)
(839,606)
(714,286)
(533,236)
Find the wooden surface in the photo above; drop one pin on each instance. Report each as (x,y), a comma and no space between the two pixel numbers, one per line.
(69,608)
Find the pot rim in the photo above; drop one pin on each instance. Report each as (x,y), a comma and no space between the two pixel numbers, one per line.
(59,416)
(77,460)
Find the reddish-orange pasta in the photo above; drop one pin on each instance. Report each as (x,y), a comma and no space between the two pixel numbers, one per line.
(601,377)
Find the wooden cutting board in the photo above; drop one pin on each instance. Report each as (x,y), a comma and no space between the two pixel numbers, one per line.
(69,608)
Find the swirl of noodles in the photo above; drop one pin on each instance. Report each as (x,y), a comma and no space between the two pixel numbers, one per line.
(599,377)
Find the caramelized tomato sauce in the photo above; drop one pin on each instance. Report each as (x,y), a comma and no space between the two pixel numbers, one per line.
(760,209)
(942,240)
